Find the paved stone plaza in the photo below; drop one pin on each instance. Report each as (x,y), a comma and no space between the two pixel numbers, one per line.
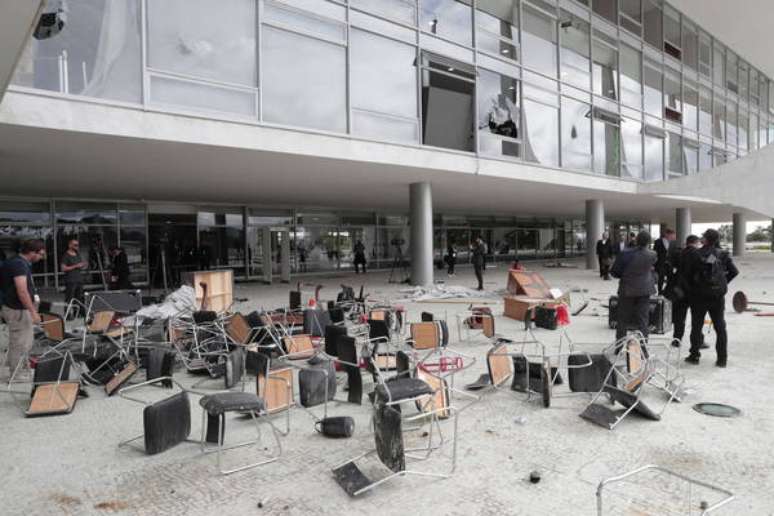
(72,465)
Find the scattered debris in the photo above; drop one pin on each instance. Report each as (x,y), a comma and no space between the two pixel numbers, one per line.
(520,420)
(182,299)
(534,477)
(717,410)
(65,500)
(444,292)
(112,506)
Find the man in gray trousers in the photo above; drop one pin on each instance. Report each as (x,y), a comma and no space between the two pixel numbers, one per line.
(635,269)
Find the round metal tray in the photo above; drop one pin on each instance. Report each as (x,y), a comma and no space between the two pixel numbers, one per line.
(717,410)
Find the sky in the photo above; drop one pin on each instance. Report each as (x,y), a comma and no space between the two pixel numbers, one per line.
(698,229)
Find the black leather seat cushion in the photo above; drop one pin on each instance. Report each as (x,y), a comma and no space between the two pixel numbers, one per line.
(332,336)
(311,383)
(388,437)
(222,402)
(235,368)
(402,389)
(160,363)
(204,316)
(167,423)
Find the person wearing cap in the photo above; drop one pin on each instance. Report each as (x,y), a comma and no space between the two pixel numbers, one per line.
(637,282)
(709,271)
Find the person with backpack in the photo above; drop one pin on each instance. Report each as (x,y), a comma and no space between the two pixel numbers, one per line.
(634,269)
(709,270)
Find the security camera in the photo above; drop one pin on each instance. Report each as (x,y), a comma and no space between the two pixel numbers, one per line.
(52,19)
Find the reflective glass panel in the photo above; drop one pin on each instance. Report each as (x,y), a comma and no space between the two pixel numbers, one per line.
(189,37)
(654,158)
(690,105)
(631,138)
(606,9)
(690,46)
(607,148)
(705,54)
(447,105)
(719,118)
(541,126)
(718,64)
(303,81)
(654,101)
(605,69)
(575,51)
(576,135)
(705,111)
(401,10)
(450,19)
(539,41)
(97,54)
(631,77)
(674,154)
(653,22)
(498,27)
(691,156)
(705,157)
(731,127)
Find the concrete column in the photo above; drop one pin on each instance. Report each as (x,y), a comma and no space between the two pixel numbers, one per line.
(740,233)
(595,226)
(285,257)
(421,244)
(771,233)
(266,254)
(683,223)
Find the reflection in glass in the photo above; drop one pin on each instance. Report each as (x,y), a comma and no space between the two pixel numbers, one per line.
(607,148)
(303,81)
(97,54)
(450,19)
(631,138)
(539,41)
(654,158)
(499,114)
(631,76)
(576,135)
(718,64)
(575,51)
(705,111)
(383,82)
(690,46)
(705,157)
(690,105)
(719,118)
(401,10)
(541,127)
(742,128)
(654,101)
(674,154)
(653,21)
(672,99)
(498,27)
(216,44)
(606,9)
(731,127)
(691,150)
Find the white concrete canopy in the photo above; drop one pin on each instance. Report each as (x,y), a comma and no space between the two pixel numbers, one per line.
(57,147)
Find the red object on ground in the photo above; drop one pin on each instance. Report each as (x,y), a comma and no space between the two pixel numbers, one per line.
(562,315)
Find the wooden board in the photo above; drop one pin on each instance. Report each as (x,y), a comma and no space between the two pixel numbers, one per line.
(528,283)
(440,398)
(220,289)
(120,378)
(516,307)
(275,394)
(299,346)
(53,399)
(425,335)
(500,364)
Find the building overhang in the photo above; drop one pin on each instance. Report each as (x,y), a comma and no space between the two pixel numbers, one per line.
(59,147)
(17,20)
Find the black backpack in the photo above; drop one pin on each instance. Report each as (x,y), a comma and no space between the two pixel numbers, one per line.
(710,278)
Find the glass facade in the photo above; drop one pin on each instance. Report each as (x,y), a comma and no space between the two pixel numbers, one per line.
(612,87)
(242,238)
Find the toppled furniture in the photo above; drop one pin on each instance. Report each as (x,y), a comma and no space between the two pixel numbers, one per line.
(476,318)
(654,489)
(633,372)
(167,422)
(215,407)
(51,392)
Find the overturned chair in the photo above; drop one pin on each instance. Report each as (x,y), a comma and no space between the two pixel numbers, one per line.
(632,373)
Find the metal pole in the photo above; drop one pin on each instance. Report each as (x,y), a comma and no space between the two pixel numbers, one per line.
(595,226)
(421,219)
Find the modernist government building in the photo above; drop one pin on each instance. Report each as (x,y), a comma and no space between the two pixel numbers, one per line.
(268,136)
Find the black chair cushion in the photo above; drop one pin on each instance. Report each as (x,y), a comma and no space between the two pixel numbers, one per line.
(167,423)
(235,368)
(402,389)
(49,369)
(336,315)
(346,349)
(311,383)
(332,336)
(204,316)
(222,402)
(160,363)
(378,329)
(590,378)
(388,436)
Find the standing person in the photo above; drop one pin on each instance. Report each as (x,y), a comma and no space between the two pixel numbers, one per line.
(360,258)
(632,242)
(451,258)
(605,256)
(19,309)
(72,265)
(620,246)
(634,268)
(710,271)
(663,266)
(119,271)
(678,285)
(479,253)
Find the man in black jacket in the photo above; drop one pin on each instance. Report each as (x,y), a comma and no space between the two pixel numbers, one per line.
(634,268)
(605,255)
(479,258)
(678,285)
(710,270)
(662,246)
